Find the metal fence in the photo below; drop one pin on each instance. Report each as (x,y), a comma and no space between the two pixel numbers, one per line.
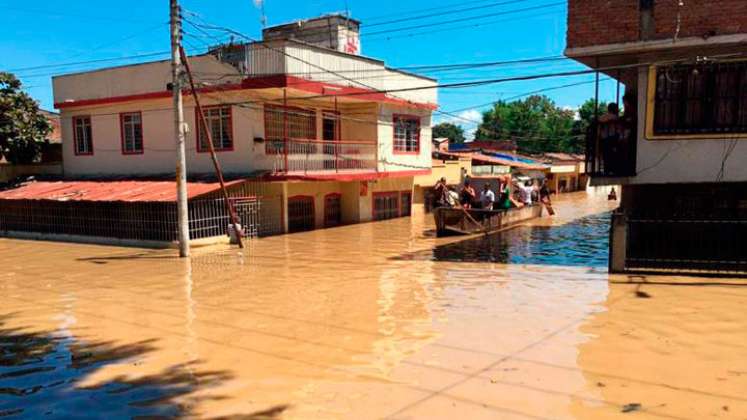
(611,149)
(147,221)
(687,245)
(138,221)
(209,218)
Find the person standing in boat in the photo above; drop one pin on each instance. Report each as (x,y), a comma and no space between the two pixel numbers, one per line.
(441,192)
(487,197)
(452,197)
(505,201)
(468,195)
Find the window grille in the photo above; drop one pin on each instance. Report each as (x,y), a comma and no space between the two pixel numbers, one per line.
(406,204)
(701,99)
(301,214)
(386,206)
(332,210)
(301,125)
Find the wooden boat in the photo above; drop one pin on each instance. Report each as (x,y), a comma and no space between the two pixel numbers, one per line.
(454,221)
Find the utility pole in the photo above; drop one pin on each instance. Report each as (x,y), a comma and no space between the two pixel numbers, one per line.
(179,130)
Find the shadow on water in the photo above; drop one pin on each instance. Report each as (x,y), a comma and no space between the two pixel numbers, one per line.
(41,375)
(583,242)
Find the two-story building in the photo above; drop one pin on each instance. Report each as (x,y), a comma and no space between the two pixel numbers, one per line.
(679,147)
(301,122)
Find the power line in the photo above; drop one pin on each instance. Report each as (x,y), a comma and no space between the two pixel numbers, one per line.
(455,28)
(435,14)
(461,9)
(101,60)
(410,12)
(526,94)
(74,15)
(430,25)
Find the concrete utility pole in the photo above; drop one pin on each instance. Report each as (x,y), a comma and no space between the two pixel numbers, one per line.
(179,130)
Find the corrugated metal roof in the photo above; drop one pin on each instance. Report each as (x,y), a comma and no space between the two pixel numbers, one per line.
(495,160)
(130,191)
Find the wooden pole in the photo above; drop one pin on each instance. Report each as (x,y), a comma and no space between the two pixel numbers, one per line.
(181,159)
(202,123)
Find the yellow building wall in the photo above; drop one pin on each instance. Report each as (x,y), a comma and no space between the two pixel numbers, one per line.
(382,185)
(356,208)
(451,170)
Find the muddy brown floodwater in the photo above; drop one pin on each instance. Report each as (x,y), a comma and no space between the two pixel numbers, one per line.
(378,320)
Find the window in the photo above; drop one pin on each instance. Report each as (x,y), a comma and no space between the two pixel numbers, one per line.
(301,125)
(82,136)
(218,120)
(406,134)
(332,210)
(329,126)
(701,99)
(406,208)
(132,133)
(386,205)
(301,214)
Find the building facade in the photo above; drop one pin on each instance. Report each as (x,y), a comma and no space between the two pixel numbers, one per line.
(323,134)
(680,146)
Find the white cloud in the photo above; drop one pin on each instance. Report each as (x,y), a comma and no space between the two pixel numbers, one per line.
(576,115)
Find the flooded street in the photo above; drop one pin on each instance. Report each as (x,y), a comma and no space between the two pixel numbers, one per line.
(380,320)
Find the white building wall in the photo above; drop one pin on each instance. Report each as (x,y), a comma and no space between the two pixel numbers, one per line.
(311,63)
(247,155)
(369,121)
(135,79)
(159,153)
(683,161)
(391,161)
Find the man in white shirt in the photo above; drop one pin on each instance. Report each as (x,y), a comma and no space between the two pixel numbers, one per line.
(487,197)
(524,192)
(452,197)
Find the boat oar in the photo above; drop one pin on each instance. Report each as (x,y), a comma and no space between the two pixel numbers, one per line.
(472,219)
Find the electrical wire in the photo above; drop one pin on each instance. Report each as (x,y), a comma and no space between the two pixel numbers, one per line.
(431,25)
(435,14)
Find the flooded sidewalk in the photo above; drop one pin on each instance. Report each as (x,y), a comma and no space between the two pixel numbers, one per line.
(379,320)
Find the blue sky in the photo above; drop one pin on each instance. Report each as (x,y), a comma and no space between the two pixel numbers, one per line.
(55,32)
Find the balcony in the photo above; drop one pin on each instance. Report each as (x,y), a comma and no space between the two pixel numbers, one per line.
(300,156)
(611,150)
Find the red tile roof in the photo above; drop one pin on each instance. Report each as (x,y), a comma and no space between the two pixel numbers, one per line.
(131,191)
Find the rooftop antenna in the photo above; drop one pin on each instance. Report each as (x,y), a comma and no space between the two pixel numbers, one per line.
(260,4)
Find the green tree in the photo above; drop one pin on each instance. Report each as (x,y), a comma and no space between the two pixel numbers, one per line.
(536,123)
(581,125)
(22,126)
(453,132)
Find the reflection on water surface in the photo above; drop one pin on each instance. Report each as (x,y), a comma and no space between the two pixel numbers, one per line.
(583,242)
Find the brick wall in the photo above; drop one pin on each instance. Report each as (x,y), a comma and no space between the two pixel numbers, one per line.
(599,22)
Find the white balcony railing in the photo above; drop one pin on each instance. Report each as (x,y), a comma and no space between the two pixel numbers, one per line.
(303,156)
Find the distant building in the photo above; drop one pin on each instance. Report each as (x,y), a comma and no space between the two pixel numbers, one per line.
(301,120)
(566,172)
(680,148)
(55,136)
